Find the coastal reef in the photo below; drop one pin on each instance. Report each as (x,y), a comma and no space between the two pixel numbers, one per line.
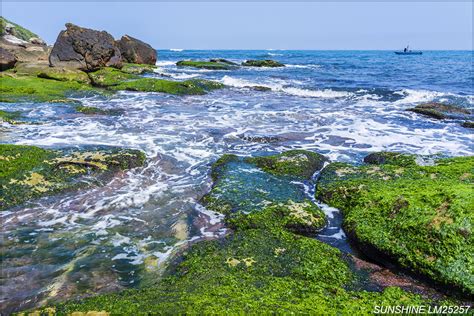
(400,213)
(29,172)
(213,64)
(262,63)
(267,263)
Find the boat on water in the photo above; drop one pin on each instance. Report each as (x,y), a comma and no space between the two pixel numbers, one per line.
(408,51)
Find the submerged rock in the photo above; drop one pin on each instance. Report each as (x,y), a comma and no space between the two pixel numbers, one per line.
(29,172)
(440,111)
(468,124)
(135,51)
(211,65)
(9,117)
(262,63)
(411,216)
(85,49)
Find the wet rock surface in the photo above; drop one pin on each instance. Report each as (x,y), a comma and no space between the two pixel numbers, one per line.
(135,51)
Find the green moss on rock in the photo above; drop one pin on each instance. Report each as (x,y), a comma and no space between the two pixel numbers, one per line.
(297,163)
(28,172)
(91,110)
(9,117)
(108,76)
(33,89)
(191,87)
(17,30)
(439,111)
(137,69)
(43,70)
(468,124)
(212,65)
(262,63)
(419,217)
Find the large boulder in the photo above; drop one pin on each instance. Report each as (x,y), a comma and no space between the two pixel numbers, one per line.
(135,51)
(85,49)
(7,59)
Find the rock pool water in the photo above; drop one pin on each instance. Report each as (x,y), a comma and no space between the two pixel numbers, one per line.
(341,104)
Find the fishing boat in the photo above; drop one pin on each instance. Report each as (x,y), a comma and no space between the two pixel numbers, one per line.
(407,51)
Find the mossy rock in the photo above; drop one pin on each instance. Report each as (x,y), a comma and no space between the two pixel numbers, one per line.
(262,63)
(211,65)
(43,70)
(28,172)
(296,163)
(417,217)
(17,30)
(440,111)
(10,117)
(137,69)
(468,124)
(108,76)
(91,110)
(15,88)
(188,87)
(222,60)
(392,158)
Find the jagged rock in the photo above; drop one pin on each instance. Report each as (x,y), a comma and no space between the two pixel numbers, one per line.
(85,49)
(7,59)
(135,51)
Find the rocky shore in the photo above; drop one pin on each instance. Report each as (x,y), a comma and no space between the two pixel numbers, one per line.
(409,216)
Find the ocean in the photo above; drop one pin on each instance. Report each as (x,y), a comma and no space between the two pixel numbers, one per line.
(343,104)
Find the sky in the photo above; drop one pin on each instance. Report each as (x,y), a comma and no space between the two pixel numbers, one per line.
(260,25)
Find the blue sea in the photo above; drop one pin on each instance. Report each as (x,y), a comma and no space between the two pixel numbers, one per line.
(343,104)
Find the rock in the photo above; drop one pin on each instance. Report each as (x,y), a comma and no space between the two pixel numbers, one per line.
(211,65)
(85,49)
(409,216)
(223,61)
(380,158)
(262,63)
(43,70)
(37,41)
(135,51)
(16,33)
(440,111)
(137,69)
(7,59)
(468,124)
(26,52)
(259,88)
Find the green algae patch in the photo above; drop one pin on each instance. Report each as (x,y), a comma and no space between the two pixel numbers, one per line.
(108,76)
(92,110)
(419,217)
(34,89)
(10,117)
(211,65)
(265,265)
(28,172)
(262,63)
(137,69)
(251,271)
(188,87)
(297,163)
(392,158)
(43,70)
(440,111)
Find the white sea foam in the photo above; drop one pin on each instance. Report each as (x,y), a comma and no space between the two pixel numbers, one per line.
(176,49)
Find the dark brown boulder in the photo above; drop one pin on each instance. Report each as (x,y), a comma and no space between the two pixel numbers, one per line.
(85,49)
(7,59)
(135,51)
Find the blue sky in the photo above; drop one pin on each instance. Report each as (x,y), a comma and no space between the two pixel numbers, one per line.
(260,25)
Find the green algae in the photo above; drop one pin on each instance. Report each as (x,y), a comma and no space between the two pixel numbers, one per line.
(108,76)
(262,267)
(468,124)
(188,87)
(10,117)
(297,163)
(43,70)
(137,69)
(262,63)
(34,89)
(417,216)
(28,172)
(91,110)
(211,65)
(439,111)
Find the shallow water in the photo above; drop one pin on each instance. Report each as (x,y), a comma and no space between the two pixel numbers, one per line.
(342,104)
